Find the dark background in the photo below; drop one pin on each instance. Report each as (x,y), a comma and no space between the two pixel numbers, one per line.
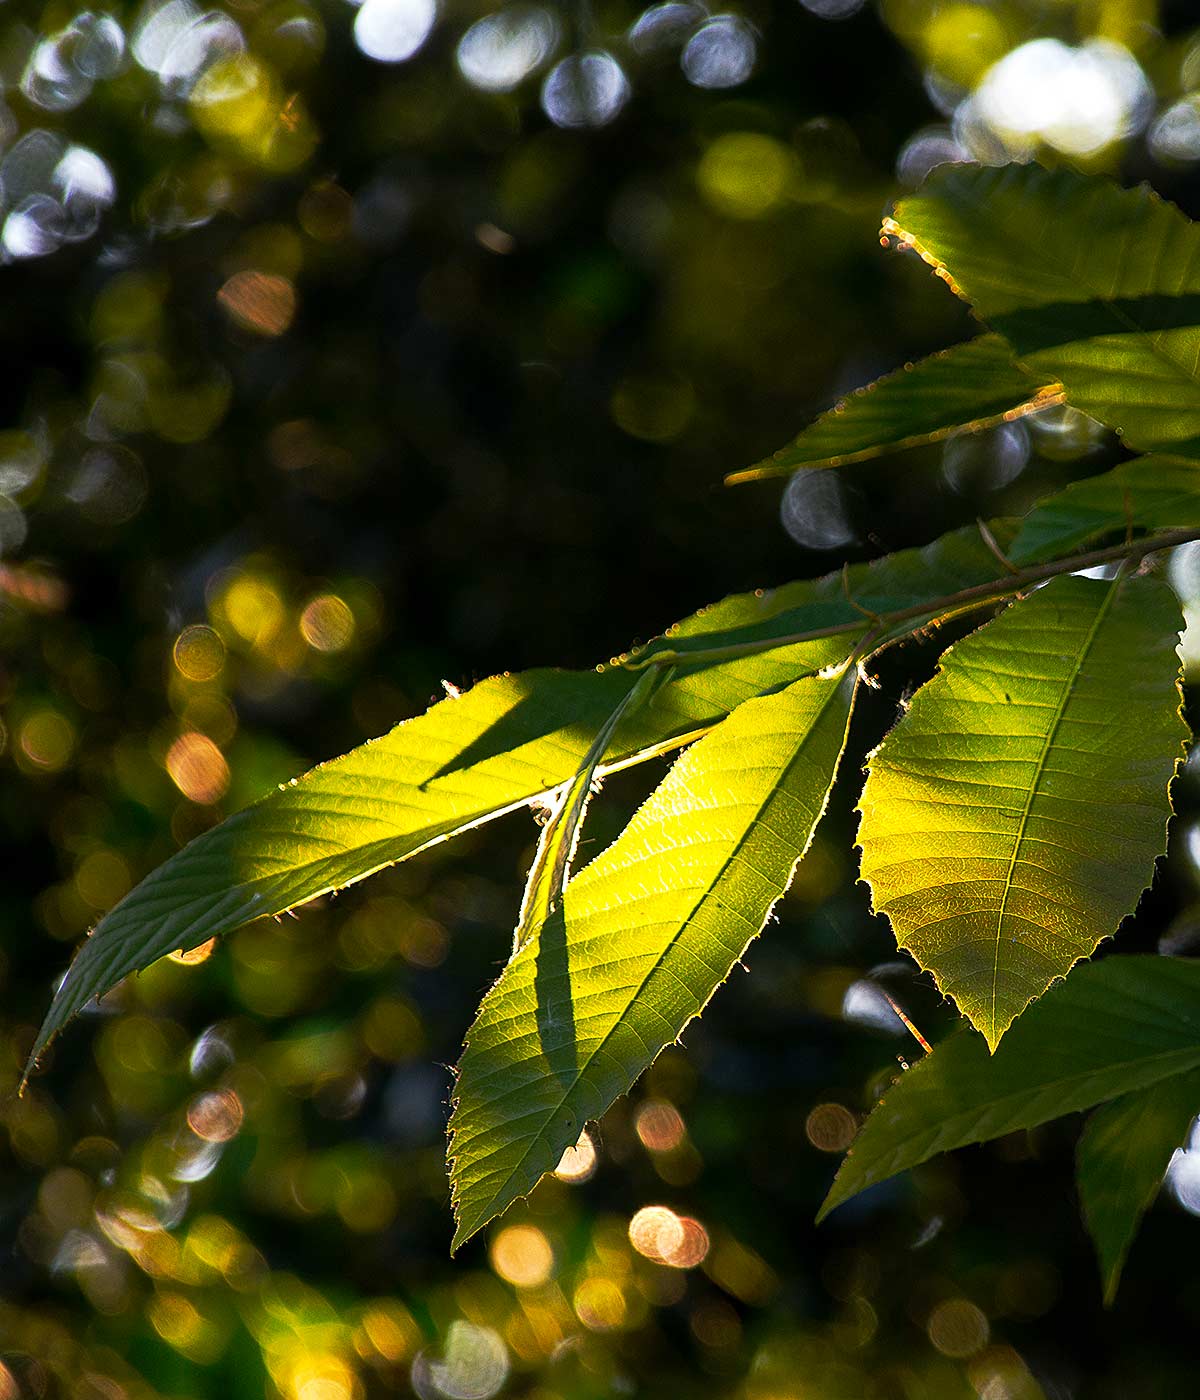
(380,379)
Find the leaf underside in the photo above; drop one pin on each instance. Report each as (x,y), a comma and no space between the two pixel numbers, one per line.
(1113,1027)
(643,937)
(1150,493)
(963,389)
(1093,286)
(1124,1151)
(505,743)
(1012,818)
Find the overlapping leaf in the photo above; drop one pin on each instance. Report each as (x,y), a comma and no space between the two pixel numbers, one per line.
(643,937)
(1111,1028)
(965,388)
(508,741)
(1124,1152)
(1013,816)
(1150,493)
(1093,286)
(560,835)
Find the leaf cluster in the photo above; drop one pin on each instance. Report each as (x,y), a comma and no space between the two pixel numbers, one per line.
(1009,821)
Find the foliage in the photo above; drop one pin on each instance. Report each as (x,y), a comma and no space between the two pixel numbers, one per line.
(1010,821)
(351,347)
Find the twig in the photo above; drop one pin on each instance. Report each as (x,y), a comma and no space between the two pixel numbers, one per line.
(966,598)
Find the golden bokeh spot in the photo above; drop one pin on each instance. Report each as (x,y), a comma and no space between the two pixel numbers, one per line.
(659,1126)
(199,653)
(192,957)
(657,1233)
(9,1389)
(216,1116)
(745,175)
(253,608)
(599,1304)
(102,878)
(198,768)
(327,624)
(47,740)
(578,1163)
(957,1328)
(259,301)
(389,1331)
(963,41)
(830,1127)
(522,1256)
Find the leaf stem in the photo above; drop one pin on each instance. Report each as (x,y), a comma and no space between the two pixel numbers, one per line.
(966,598)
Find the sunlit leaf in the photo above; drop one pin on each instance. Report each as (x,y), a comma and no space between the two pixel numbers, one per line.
(965,388)
(1093,286)
(556,846)
(1124,1152)
(1013,816)
(643,937)
(1112,1027)
(1149,493)
(505,743)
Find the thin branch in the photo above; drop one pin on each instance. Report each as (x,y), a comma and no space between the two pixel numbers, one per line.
(976,596)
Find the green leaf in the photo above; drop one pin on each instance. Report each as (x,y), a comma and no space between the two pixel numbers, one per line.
(1124,1152)
(1112,1027)
(963,389)
(1012,818)
(1149,493)
(560,836)
(642,939)
(1092,285)
(507,742)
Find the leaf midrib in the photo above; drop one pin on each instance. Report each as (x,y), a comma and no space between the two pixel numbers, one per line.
(1034,788)
(598,1049)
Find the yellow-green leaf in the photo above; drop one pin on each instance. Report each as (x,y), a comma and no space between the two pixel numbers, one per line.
(1012,818)
(507,742)
(641,940)
(556,846)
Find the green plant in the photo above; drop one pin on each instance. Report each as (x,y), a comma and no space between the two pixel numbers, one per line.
(1009,821)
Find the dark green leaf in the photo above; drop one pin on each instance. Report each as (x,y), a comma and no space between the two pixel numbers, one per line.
(963,389)
(1092,285)
(1149,493)
(1112,1027)
(1124,1152)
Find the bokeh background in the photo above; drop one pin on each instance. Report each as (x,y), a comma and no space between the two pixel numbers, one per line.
(351,351)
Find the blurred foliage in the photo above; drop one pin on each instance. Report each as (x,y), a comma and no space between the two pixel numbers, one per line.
(349,350)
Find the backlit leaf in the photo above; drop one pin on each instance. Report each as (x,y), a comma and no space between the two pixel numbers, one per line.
(965,388)
(1112,1027)
(556,846)
(505,743)
(643,937)
(1012,818)
(1093,286)
(1124,1152)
